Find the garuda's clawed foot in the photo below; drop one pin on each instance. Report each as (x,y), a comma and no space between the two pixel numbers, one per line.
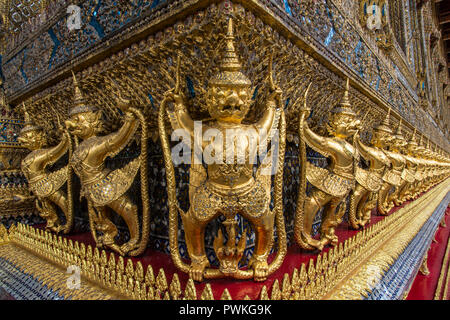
(312,243)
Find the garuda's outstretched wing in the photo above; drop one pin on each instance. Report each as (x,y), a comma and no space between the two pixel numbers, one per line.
(114,185)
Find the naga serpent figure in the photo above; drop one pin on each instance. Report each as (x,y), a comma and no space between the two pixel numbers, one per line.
(331,185)
(228,186)
(105,190)
(45,185)
(370,180)
(394,177)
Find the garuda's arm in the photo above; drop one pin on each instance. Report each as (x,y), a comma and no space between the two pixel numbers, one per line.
(267,122)
(116,141)
(55,153)
(365,151)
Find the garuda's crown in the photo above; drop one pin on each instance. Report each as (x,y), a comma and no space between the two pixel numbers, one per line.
(344,106)
(79,101)
(29,125)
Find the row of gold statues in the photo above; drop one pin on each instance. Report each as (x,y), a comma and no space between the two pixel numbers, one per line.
(397,171)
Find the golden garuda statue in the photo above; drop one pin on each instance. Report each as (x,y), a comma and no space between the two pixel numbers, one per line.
(330,185)
(395,176)
(105,190)
(229,185)
(369,181)
(407,176)
(47,186)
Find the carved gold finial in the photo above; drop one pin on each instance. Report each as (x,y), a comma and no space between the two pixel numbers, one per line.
(311,270)
(190,293)
(344,106)
(319,263)
(295,280)
(29,125)
(303,275)
(151,294)
(264,295)
(161,281)
(175,287)
(139,272)
(78,96)
(149,276)
(120,265)
(207,293)
(226,295)
(276,292)
(129,269)
(286,287)
(345,101)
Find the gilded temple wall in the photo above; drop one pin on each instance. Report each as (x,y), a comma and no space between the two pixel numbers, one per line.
(43,49)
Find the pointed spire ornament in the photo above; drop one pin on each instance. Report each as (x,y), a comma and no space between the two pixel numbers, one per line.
(345,101)
(263,295)
(207,293)
(385,125)
(398,132)
(226,295)
(175,287)
(276,292)
(29,125)
(344,106)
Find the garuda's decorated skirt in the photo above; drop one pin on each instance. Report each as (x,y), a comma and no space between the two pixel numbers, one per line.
(48,184)
(393,177)
(371,180)
(408,176)
(112,186)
